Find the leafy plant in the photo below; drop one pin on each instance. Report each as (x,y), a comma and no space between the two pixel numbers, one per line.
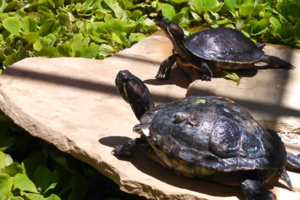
(41,172)
(55,28)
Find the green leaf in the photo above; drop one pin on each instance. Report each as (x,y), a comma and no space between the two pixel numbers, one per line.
(31,37)
(246,9)
(210,4)
(79,188)
(42,177)
(53,197)
(180,1)
(16,198)
(287,31)
(29,24)
(49,40)
(261,27)
(231,4)
(64,19)
(6,195)
(199,100)
(136,14)
(49,52)
(5,141)
(12,169)
(178,17)
(22,182)
(8,160)
(54,182)
(229,75)
(135,37)
(114,5)
(168,11)
(198,3)
(50,26)
(106,50)
(12,25)
(36,159)
(11,59)
(6,183)
(116,38)
(32,196)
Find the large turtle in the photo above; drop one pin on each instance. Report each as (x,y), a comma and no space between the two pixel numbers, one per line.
(208,137)
(213,50)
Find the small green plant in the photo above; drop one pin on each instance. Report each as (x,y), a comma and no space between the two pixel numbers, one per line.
(76,28)
(31,169)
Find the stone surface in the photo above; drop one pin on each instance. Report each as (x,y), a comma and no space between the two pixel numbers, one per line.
(73,104)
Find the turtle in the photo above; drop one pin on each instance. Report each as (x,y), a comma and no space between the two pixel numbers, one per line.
(213,50)
(205,137)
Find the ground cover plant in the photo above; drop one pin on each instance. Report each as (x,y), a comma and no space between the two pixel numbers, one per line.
(31,169)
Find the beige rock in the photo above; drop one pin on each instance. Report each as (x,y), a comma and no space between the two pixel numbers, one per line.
(73,104)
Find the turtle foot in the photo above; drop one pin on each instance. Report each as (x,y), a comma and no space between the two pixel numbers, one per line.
(293,161)
(253,189)
(137,129)
(205,78)
(160,76)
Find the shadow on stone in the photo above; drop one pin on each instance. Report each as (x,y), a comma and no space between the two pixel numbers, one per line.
(113,141)
(175,78)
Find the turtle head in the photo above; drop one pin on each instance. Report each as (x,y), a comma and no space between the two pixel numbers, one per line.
(172,30)
(134,92)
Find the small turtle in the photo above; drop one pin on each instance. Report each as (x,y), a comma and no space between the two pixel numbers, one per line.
(207,137)
(213,50)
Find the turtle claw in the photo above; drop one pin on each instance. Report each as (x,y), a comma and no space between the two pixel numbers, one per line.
(205,78)
(137,129)
(117,150)
(160,76)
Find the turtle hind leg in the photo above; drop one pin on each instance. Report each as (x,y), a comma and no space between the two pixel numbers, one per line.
(128,148)
(254,190)
(293,161)
(277,62)
(165,68)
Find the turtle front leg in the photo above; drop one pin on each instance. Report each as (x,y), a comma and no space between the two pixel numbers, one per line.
(165,68)
(293,161)
(276,62)
(254,190)
(130,147)
(207,73)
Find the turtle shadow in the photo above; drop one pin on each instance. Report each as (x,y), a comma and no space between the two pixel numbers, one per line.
(146,165)
(177,77)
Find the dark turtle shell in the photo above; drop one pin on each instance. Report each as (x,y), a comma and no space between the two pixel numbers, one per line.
(224,45)
(201,136)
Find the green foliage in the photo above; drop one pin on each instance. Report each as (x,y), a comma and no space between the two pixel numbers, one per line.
(56,28)
(31,169)
(261,20)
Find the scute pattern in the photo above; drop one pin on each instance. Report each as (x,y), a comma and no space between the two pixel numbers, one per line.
(217,135)
(223,44)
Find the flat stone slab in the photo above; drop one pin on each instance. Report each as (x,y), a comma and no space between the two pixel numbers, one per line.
(73,104)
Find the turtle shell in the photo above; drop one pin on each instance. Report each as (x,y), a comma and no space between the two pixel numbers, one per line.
(199,136)
(224,45)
